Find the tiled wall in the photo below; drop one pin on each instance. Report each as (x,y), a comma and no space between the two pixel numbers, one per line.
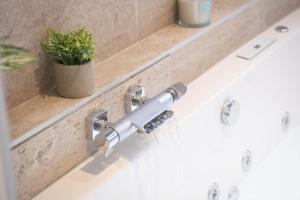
(56,150)
(116,24)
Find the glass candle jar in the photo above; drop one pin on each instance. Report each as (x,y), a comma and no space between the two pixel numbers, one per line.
(194,13)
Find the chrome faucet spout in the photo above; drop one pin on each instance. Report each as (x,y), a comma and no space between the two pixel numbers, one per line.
(153,113)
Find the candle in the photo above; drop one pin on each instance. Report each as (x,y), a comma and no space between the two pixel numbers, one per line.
(194,13)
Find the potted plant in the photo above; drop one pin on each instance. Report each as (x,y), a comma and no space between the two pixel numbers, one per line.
(12,57)
(74,68)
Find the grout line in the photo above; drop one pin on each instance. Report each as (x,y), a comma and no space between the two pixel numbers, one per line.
(35,131)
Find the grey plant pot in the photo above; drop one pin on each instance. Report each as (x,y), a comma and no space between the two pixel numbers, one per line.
(75,81)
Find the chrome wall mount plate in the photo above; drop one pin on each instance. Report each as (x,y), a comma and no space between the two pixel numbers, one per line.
(134,98)
(97,122)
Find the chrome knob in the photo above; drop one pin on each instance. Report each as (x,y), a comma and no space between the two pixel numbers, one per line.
(282,29)
(230,112)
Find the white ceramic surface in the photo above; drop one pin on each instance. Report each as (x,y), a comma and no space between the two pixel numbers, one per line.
(185,163)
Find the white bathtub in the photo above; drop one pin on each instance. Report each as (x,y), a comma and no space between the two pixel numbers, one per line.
(185,164)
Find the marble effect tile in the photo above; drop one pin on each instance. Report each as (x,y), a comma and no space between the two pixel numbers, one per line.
(117,67)
(154,15)
(27,23)
(274,10)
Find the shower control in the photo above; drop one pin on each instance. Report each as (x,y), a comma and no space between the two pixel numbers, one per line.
(214,192)
(255,47)
(230,112)
(233,194)
(247,161)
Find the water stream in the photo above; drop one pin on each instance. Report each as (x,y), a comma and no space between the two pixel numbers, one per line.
(160,172)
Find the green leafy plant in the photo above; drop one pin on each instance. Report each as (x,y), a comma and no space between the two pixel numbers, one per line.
(73,48)
(12,57)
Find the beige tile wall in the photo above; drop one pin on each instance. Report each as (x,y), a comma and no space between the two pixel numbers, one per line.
(49,155)
(118,67)
(154,15)
(276,9)
(116,24)
(27,24)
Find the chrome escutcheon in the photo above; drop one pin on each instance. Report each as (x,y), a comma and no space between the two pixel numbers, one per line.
(214,192)
(230,112)
(247,160)
(285,121)
(233,193)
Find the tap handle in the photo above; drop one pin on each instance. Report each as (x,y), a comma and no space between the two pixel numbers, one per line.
(107,140)
(106,149)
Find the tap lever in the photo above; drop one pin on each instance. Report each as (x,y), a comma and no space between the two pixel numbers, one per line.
(106,140)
